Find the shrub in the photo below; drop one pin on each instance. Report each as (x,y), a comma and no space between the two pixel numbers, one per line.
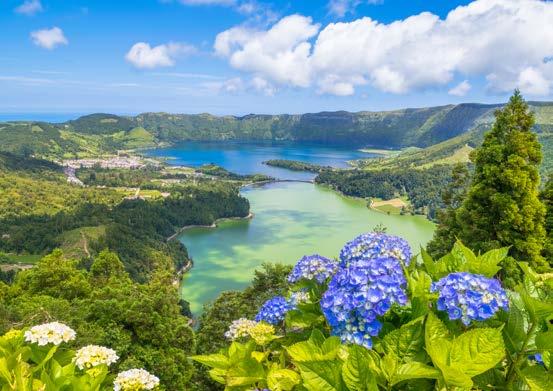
(38,359)
(385,321)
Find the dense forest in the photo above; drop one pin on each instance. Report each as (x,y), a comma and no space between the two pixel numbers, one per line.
(142,322)
(41,212)
(423,187)
(295,165)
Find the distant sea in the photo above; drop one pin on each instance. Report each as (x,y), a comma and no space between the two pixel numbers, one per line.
(46,117)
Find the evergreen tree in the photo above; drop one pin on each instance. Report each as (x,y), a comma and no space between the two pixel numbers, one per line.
(546,197)
(448,228)
(502,207)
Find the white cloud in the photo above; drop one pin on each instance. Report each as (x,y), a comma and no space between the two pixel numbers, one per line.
(49,38)
(533,82)
(29,7)
(231,86)
(142,55)
(280,54)
(504,41)
(237,85)
(261,85)
(460,89)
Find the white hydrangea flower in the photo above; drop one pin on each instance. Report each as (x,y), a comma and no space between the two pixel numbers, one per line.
(239,328)
(299,297)
(93,355)
(54,333)
(135,380)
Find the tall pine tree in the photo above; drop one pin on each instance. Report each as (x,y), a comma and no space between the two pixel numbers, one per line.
(502,207)
(546,197)
(448,228)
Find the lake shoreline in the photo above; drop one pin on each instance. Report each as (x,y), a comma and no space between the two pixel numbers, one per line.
(190,264)
(212,225)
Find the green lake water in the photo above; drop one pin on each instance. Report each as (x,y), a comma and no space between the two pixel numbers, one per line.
(291,219)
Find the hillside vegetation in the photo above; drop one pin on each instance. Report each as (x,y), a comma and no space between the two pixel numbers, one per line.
(106,133)
(40,211)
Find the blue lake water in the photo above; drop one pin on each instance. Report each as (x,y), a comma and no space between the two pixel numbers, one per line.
(248,157)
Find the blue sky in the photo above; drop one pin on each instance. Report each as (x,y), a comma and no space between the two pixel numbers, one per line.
(243,56)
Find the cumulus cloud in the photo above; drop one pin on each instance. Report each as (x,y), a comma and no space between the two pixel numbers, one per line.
(281,53)
(49,38)
(143,56)
(460,89)
(506,42)
(29,7)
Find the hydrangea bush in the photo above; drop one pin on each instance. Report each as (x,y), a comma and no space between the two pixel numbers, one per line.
(378,318)
(39,359)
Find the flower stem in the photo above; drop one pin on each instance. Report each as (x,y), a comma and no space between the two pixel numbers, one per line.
(513,368)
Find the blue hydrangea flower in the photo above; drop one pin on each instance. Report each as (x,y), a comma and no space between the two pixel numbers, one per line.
(470,297)
(274,310)
(313,267)
(359,294)
(537,358)
(374,245)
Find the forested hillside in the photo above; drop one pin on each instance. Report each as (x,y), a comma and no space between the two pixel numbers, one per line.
(106,133)
(40,211)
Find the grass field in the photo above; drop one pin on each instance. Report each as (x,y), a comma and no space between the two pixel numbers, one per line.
(393,206)
(75,242)
(26,258)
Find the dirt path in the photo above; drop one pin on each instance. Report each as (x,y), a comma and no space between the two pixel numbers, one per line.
(85,244)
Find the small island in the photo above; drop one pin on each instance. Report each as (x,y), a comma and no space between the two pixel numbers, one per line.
(296,165)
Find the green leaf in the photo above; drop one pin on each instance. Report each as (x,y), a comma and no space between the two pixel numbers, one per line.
(449,263)
(309,351)
(544,341)
(388,366)
(321,375)
(355,371)
(218,375)
(514,331)
(438,346)
(282,379)
(437,341)
(419,284)
(406,342)
(428,262)
(493,379)
(462,254)
(537,378)
(246,372)
(477,350)
(317,337)
(330,346)
(488,263)
(238,351)
(538,310)
(454,377)
(219,361)
(302,319)
(415,370)
(304,351)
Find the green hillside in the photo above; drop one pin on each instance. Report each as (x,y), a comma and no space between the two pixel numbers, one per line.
(420,127)
(54,141)
(447,130)
(101,124)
